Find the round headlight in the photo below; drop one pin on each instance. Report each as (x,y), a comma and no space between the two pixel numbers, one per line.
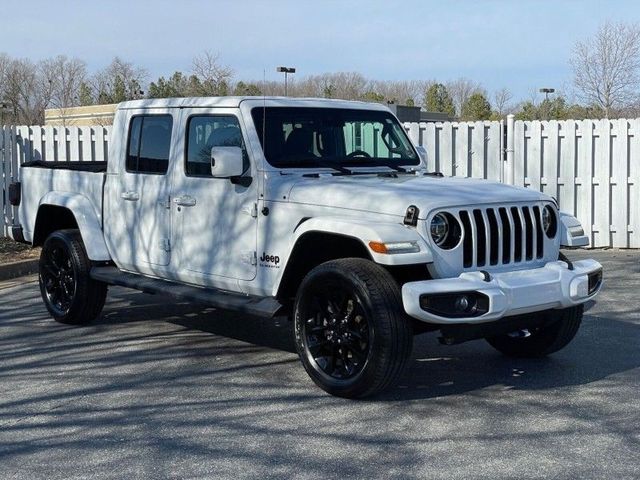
(439,228)
(549,223)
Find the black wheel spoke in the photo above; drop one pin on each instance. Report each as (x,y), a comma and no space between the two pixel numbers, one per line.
(317,346)
(336,331)
(58,278)
(332,360)
(358,355)
(50,270)
(53,260)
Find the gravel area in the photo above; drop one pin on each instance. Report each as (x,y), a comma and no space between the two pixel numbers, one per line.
(11,251)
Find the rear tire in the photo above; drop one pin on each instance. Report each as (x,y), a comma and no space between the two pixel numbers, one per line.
(554,335)
(69,293)
(351,332)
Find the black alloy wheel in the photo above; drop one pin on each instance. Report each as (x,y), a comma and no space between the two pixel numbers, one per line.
(336,331)
(58,277)
(68,291)
(351,332)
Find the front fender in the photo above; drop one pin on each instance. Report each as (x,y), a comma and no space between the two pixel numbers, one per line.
(370,232)
(86,218)
(364,232)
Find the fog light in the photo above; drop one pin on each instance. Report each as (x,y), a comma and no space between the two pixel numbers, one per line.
(455,305)
(462,303)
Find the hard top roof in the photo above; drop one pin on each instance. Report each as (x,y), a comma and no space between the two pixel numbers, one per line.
(231,102)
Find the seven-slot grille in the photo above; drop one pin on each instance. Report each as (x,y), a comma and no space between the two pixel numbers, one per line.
(501,235)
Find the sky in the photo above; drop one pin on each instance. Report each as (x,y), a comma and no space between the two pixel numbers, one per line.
(522,45)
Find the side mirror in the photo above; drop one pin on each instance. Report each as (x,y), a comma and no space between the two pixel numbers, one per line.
(226,162)
(422,152)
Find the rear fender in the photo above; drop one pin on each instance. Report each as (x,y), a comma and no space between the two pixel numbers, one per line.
(86,218)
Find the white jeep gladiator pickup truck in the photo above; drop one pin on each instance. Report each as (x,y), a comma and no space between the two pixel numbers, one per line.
(318,209)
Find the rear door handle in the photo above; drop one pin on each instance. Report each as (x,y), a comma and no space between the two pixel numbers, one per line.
(131,196)
(184,201)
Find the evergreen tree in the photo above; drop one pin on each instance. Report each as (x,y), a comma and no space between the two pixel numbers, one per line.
(437,99)
(85,95)
(477,107)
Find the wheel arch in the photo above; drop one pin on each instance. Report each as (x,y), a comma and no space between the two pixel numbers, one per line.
(305,256)
(58,211)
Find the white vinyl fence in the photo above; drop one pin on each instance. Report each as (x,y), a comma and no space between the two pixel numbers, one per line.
(592,167)
(26,143)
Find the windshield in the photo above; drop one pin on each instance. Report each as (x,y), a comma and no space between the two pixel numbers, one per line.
(332,137)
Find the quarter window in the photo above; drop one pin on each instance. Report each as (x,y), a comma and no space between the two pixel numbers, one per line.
(205,132)
(149,144)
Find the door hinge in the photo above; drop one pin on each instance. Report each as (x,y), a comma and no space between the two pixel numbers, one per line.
(252,210)
(165,244)
(250,258)
(165,203)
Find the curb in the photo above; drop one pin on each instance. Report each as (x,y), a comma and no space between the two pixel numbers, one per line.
(18,269)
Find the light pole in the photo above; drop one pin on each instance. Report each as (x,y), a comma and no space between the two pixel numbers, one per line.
(547,107)
(286,71)
(546,92)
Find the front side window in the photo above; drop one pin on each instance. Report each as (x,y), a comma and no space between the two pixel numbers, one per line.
(317,137)
(149,144)
(206,132)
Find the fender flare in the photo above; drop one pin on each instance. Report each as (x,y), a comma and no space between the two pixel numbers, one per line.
(364,232)
(571,232)
(86,218)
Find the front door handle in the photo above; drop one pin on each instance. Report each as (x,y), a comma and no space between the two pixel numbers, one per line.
(131,196)
(184,201)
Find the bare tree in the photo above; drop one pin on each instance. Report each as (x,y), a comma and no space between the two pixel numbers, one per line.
(401,92)
(606,67)
(63,77)
(5,62)
(501,99)
(460,91)
(26,93)
(119,81)
(214,77)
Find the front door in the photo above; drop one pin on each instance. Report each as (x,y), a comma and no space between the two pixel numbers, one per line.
(215,218)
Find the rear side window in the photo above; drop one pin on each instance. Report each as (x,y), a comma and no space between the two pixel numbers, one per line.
(149,144)
(205,132)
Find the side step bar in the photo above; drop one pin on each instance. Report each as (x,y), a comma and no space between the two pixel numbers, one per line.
(259,306)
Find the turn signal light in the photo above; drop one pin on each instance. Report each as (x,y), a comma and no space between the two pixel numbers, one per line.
(394,247)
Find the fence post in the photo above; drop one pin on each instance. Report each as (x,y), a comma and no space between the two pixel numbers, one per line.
(509,177)
(2,183)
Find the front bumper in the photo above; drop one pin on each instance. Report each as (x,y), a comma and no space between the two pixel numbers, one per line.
(555,285)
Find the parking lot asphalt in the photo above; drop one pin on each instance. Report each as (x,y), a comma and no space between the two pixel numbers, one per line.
(155,389)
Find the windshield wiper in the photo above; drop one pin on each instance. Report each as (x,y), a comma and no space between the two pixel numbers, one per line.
(395,167)
(327,164)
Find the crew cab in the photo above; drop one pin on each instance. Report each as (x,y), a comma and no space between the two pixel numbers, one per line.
(321,210)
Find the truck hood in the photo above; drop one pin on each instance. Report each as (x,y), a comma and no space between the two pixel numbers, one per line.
(392,196)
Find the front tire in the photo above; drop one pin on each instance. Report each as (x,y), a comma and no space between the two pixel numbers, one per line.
(69,293)
(556,333)
(351,332)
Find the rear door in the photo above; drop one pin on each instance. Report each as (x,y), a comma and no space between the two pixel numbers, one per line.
(140,222)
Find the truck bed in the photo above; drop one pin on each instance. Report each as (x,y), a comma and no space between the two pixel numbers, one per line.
(60,179)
